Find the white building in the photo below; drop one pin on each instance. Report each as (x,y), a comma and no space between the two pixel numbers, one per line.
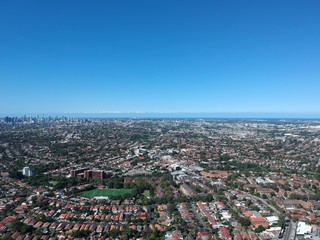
(303,228)
(272,220)
(28,172)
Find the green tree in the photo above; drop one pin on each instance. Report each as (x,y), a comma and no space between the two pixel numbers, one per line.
(259,229)
(81,233)
(245,221)
(16,174)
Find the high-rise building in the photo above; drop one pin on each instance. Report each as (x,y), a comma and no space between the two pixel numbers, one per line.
(94,174)
(27,172)
(78,173)
(89,174)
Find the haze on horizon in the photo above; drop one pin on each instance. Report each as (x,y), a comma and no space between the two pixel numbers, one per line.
(160,56)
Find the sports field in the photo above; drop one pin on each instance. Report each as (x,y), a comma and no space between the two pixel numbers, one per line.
(106,193)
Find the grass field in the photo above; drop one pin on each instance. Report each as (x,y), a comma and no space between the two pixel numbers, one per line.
(106,193)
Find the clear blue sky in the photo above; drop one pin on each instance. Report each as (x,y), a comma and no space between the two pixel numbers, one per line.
(159,56)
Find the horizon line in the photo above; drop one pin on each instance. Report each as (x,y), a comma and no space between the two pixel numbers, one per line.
(198,115)
(164,112)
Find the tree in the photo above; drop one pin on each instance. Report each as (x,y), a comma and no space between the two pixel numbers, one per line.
(156,234)
(26,229)
(16,225)
(255,208)
(281,220)
(113,233)
(16,174)
(245,221)
(248,203)
(259,229)
(20,227)
(172,208)
(81,234)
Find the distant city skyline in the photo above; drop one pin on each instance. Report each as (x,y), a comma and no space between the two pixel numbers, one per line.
(236,58)
(186,115)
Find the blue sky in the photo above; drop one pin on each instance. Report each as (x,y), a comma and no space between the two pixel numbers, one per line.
(160,56)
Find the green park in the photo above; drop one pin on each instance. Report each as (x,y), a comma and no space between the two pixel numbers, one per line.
(106,193)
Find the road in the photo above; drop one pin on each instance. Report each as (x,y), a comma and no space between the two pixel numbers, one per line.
(291,231)
(198,215)
(264,202)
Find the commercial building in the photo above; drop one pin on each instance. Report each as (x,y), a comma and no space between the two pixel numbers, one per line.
(303,228)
